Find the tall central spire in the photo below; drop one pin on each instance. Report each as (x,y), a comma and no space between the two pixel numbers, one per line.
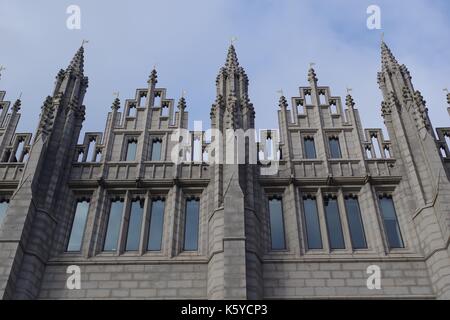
(232,94)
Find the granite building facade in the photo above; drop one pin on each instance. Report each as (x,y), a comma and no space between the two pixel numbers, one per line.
(140,225)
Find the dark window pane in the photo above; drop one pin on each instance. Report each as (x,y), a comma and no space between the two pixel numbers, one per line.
(131,151)
(391,223)
(355,224)
(135,225)
(78,226)
(334,227)
(314,238)
(310,149)
(335,149)
(276,224)
(113,230)
(3,208)
(191,225)
(156,226)
(156,150)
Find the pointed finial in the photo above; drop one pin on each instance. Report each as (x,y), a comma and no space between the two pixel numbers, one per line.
(183,93)
(233,40)
(84,42)
(282,102)
(382,37)
(116,104)
(153,78)
(280,92)
(116,94)
(349,90)
(312,73)
(182,103)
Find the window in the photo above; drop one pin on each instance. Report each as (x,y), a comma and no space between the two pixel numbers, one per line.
(90,150)
(78,226)
(3,207)
(142,99)
(164,111)
(132,111)
(390,221)
(333,221)
(314,238)
(113,229)
(156,150)
(19,151)
(131,150)
(134,225)
(310,148)
(155,231)
(335,149)
(276,224)
(355,223)
(191,225)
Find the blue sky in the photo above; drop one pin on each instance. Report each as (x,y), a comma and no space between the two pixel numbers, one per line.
(188,40)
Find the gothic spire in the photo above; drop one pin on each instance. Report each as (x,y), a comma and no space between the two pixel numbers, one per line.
(388,60)
(77,63)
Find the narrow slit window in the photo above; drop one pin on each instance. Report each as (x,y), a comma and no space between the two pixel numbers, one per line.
(113,228)
(276,224)
(156,150)
(322,99)
(132,111)
(157,100)
(197,152)
(335,148)
(143,99)
(80,156)
(19,151)
(333,221)
(310,148)
(369,153)
(191,225)
(387,153)
(134,225)
(314,237)
(91,151)
(3,208)
(355,223)
(78,226)
(300,107)
(131,150)
(98,156)
(333,109)
(155,231)
(376,146)
(390,220)
(165,111)
(447,139)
